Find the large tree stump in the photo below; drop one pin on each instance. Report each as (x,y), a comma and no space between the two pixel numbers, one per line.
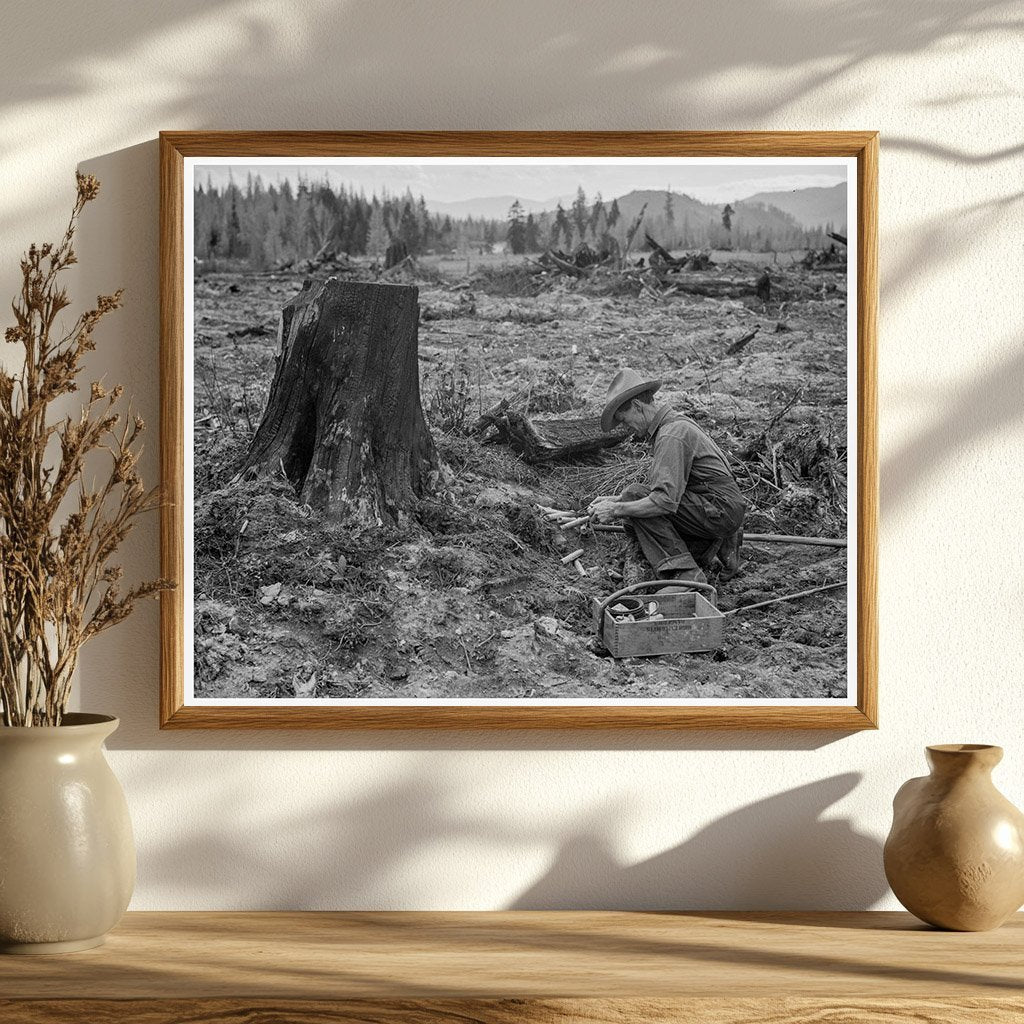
(344,418)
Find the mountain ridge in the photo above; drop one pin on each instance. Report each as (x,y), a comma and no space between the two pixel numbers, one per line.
(810,208)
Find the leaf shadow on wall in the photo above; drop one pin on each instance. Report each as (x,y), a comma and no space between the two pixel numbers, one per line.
(319,65)
(937,244)
(988,405)
(798,860)
(298,59)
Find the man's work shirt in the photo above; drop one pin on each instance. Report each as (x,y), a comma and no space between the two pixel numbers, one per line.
(688,463)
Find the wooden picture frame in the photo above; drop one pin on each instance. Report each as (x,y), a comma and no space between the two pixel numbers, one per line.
(860,710)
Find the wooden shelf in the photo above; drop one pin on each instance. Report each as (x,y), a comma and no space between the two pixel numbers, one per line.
(604,967)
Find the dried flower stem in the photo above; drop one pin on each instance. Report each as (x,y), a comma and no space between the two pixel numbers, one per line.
(57,588)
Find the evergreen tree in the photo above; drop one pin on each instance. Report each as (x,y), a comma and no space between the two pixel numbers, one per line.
(409,228)
(377,237)
(286,223)
(358,229)
(261,245)
(532,234)
(207,219)
(425,226)
(256,222)
(580,213)
(516,235)
(562,229)
(298,225)
(234,233)
(448,238)
(614,214)
(600,231)
(727,213)
(270,224)
(314,227)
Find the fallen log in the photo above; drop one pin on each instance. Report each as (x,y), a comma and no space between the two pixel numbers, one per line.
(545,440)
(838,238)
(566,267)
(699,260)
(712,287)
(663,254)
(824,259)
(737,288)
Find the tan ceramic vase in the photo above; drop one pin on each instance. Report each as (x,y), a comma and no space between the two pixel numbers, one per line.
(955,855)
(67,856)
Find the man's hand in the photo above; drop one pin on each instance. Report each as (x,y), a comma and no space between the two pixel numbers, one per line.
(604,509)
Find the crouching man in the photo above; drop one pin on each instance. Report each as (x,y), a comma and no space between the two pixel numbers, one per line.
(691,511)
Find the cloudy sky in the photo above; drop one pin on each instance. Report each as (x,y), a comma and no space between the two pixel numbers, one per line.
(706,180)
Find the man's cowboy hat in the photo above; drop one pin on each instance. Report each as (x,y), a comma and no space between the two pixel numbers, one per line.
(626,385)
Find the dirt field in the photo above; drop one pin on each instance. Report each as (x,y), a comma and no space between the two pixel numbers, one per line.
(470,599)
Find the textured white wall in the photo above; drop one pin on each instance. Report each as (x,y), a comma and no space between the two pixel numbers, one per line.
(757,820)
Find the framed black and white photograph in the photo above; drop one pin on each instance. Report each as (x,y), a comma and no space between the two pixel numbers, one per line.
(519,430)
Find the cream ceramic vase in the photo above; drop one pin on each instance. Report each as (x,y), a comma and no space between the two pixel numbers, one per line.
(955,855)
(67,855)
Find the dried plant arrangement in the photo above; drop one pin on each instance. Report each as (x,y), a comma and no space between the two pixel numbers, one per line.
(58,588)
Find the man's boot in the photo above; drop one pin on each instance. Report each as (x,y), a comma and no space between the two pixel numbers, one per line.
(683,577)
(729,554)
(695,575)
(681,567)
(706,559)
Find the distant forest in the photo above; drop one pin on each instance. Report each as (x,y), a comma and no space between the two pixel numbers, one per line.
(272,225)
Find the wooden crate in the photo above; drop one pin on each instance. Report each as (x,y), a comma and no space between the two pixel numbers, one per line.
(691,623)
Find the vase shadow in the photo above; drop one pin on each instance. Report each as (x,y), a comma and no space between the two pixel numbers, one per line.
(799,861)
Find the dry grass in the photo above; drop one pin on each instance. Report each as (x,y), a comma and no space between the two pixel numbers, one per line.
(621,467)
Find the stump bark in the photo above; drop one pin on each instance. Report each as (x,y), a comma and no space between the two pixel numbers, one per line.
(344,418)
